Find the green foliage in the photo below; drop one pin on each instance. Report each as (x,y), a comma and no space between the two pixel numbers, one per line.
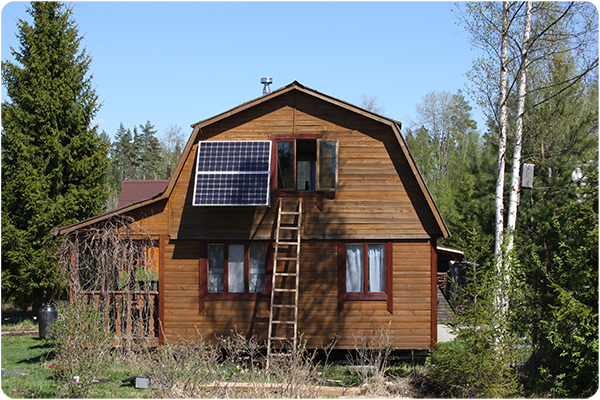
(148,151)
(54,164)
(82,347)
(457,165)
(560,289)
(479,362)
(470,367)
(558,238)
(442,146)
(140,155)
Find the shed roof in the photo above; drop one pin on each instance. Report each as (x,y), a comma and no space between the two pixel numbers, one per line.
(197,132)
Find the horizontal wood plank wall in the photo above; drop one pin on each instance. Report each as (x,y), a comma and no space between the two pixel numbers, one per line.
(318,316)
(378,198)
(182,296)
(412,293)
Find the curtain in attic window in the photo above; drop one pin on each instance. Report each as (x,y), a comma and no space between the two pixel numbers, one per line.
(257,268)
(236,268)
(376,256)
(216,270)
(354,268)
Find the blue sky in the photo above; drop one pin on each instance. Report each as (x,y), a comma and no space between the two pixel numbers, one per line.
(176,63)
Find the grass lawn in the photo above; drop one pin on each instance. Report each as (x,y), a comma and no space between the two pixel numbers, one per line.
(33,356)
(30,355)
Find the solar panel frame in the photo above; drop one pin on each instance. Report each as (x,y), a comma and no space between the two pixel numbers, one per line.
(233,173)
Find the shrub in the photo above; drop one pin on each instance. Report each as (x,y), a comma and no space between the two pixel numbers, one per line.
(478,363)
(82,347)
(370,359)
(471,367)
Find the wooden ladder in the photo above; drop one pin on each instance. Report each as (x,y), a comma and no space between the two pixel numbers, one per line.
(286,274)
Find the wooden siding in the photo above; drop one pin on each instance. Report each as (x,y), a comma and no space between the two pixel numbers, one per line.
(378,196)
(318,315)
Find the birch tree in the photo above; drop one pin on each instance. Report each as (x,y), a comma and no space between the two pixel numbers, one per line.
(515,183)
(553,29)
(490,26)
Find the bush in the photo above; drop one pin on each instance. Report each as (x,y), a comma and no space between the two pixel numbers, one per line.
(82,347)
(470,367)
(478,363)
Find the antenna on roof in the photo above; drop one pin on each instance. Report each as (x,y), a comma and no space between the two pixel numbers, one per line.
(266,82)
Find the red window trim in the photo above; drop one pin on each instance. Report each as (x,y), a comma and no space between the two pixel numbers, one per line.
(205,295)
(275,138)
(366,296)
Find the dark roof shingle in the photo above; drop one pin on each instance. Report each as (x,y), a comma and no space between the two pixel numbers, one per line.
(134,191)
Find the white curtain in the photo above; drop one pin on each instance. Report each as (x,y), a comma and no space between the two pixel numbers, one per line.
(216,270)
(354,268)
(257,268)
(376,256)
(236,268)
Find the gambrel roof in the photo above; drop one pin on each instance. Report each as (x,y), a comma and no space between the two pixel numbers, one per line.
(395,127)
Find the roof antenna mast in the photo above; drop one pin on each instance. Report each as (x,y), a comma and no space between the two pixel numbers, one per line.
(266,82)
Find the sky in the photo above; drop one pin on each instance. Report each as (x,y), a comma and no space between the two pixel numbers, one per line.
(177,63)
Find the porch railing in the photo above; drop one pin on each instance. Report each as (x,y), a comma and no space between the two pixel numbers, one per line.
(130,315)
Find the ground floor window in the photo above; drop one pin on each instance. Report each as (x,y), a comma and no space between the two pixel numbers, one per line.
(364,272)
(234,269)
(365,263)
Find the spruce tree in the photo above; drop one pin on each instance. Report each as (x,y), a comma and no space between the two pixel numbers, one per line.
(54,163)
(148,148)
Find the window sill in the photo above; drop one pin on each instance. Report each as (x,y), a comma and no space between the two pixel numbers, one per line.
(365,297)
(300,193)
(236,296)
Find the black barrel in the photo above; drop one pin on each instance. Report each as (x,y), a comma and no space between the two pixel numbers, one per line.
(46,315)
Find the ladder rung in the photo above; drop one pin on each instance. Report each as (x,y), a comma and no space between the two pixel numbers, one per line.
(290,228)
(284,290)
(286,273)
(286,259)
(284,322)
(287,243)
(284,306)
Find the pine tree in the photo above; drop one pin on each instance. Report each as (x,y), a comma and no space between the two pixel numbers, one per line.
(54,164)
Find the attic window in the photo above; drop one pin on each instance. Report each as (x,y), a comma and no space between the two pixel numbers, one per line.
(233,173)
(306,164)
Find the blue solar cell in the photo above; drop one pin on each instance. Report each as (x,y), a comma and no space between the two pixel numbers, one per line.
(233,173)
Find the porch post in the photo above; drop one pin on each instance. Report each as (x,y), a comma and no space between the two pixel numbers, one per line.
(161,287)
(433,292)
(73,275)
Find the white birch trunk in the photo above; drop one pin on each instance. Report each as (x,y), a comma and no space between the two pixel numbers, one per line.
(502,136)
(515,185)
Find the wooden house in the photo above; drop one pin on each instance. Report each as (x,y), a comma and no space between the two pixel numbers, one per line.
(356,251)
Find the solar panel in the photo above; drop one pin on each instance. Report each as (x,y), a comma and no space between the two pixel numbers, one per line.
(234,173)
